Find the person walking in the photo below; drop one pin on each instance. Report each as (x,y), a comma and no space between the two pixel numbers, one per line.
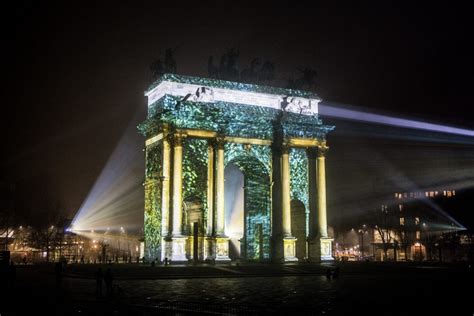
(328,274)
(108,279)
(98,275)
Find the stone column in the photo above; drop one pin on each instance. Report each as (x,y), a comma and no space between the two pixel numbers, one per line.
(321,167)
(165,196)
(178,240)
(209,245)
(220,198)
(326,242)
(222,241)
(289,242)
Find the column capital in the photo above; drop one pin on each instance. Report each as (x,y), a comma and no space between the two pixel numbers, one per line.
(321,151)
(285,147)
(165,129)
(219,142)
(176,139)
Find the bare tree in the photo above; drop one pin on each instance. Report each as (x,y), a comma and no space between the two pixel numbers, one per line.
(7,213)
(48,228)
(6,226)
(384,226)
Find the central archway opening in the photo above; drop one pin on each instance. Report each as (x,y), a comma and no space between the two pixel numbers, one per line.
(247,208)
(234,208)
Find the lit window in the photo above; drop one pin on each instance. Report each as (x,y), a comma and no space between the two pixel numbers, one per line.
(444,193)
(454,192)
(400,206)
(449,194)
(426,193)
(402,221)
(417,220)
(431,194)
(396,195)
(418,234)
(436,192)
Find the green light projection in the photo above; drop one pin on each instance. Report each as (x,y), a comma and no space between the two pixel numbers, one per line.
(195,174)
(299,185)
(152,216)
(255,161)
(230,119)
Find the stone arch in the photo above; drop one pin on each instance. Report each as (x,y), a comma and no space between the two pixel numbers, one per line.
(255,244)
(298,227)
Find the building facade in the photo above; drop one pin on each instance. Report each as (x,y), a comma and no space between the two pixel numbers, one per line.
(195,129)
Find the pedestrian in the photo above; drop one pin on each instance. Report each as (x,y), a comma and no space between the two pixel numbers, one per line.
(98,275)
(108,279)
(328,274)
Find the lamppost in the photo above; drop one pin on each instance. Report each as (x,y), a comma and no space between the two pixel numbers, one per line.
(361,233)
(122,231)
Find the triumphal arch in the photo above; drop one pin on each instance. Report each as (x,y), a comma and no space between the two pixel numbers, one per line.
(202,136)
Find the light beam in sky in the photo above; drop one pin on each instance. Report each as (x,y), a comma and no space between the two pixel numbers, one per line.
(117,195)
(339,112)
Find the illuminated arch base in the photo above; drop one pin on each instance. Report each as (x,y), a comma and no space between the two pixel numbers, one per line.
(194,128)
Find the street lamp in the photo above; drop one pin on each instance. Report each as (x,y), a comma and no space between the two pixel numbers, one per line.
(361,233)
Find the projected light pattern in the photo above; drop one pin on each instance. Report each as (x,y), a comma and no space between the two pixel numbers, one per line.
(117,195)
(338,112)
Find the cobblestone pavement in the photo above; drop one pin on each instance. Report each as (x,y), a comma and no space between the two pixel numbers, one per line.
(250,289)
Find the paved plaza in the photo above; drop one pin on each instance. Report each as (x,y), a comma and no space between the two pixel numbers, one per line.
(298,289)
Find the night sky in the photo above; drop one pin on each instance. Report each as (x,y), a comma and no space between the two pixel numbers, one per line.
(76,75)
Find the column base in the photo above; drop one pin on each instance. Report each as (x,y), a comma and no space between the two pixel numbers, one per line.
(166,248)
(326,249)
(209,247)
(178,249)
(200,248)
(222,249)
(320,249)
(289,249)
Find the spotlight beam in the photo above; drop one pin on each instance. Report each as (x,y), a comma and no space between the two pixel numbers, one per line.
(338,112)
